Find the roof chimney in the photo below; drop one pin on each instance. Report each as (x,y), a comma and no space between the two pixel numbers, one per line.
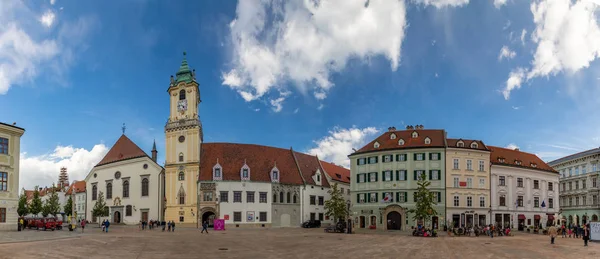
(14,123)
(408,127)
(516,149)
(392,129)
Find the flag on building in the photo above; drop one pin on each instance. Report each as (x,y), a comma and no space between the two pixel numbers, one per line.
(543,203)
(388,197)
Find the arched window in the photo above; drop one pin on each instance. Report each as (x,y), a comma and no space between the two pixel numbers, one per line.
(125,189)
(295,200)
(288,198)
(180,157)
(181,176)
(182,94)
(181,198)
(109,190)
(128,210)
(281,197)
(274,198)
(94,192)
(145,187)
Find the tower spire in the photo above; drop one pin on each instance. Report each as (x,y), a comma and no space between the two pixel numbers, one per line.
(184,74)
(154,151)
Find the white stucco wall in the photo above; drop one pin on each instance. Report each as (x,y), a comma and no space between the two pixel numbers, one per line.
(307,208)
(80,201)
(228,208)
(511,191)
(132,170)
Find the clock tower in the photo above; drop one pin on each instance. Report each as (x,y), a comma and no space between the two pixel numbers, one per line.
(183,138)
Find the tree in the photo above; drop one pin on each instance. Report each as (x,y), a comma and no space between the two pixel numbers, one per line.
(35,206)
(336,206)
(100,209)
(68,209)
(424,209)
(22,210)
(52,202)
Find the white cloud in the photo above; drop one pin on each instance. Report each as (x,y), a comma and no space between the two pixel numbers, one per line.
(47,19)
(339,144)
(43,170)
(499,3)
(516,107)
(304,42)
(442,3)
(320,107)
(320,95)
(506,53)
(567,36)
(277,104)
(508,23)
(296,110)
(436,75)
(257,109)
(514,81)
(523,33)
(512,146)
(52,2)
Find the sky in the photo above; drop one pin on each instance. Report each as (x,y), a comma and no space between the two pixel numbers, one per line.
(322,77)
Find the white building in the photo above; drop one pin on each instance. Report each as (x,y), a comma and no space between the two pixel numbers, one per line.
(79,198)
(524,189)
(259,186)
(10,139)
(340,175)
(131,183)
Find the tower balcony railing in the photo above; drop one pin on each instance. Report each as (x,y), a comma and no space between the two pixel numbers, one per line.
(183,123)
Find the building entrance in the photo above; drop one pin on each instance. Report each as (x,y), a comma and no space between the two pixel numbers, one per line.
(394,221)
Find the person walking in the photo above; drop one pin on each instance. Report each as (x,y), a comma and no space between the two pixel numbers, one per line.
(82,225)
(169,226)
(173,226)
(585,235)
(564,231)
(107,225)
(552,232)
(204,227)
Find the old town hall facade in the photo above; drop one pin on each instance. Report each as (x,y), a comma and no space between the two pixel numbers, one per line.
(247,185)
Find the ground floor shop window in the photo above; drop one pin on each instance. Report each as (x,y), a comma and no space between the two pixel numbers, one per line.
(312,216)
(2,215)
(181,219)
(262,216)
(455,220)
(373,220)
(362,221)
(321,216)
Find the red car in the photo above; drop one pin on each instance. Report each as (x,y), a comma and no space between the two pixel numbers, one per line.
(46,223)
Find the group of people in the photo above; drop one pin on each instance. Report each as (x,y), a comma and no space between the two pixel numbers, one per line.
(105,225)
(573,230)
(152,224)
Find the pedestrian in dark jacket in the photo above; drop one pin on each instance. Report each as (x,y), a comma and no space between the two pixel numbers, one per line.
(204,227)
(586,235)
(173,226)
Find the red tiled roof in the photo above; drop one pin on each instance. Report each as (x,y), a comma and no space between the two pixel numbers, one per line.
(78,185)
(308,167)
(510,156)
(387,143)
(29,194)
(123,149)
(260,159)
(336,172)
(451,142)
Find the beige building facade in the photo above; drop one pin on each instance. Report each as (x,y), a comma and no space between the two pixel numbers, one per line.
(10,149)
(467,183)
(183,133)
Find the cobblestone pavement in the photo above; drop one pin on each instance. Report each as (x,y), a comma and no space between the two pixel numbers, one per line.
(28,235)
(130,242)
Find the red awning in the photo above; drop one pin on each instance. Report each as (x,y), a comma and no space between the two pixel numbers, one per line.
(521,216)
(536,216)
(550,217)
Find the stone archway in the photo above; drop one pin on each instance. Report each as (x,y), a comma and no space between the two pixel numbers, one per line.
(389,216)
(394,221)
(117,217)
(209,215)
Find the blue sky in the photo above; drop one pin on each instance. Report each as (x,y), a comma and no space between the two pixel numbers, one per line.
(272,73)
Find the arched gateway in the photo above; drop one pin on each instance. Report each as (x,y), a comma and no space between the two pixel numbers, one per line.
(393,216)
(208,215)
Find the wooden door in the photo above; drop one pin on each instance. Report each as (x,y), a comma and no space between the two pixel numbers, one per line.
(144,216)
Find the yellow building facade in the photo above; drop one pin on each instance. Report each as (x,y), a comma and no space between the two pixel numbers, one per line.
(10,149)
(468,197)
(183,135)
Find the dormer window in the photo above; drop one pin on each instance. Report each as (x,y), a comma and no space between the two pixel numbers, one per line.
(427,141)
(401,142)
(376,145)
(534,165)
(460,144)
(517,162)
(245,172)
(393,136)
(182,94)
(275,175)
(217,172)
(474,145)
(415,134)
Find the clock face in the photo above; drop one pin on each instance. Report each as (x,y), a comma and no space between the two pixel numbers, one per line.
(182,105)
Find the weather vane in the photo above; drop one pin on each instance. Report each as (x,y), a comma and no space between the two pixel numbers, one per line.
(123,128)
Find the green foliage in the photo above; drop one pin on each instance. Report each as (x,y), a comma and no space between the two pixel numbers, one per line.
(424,208)
(35,207)
(100,209)
(336,206)
(22,210)
(68,209)
(52,203)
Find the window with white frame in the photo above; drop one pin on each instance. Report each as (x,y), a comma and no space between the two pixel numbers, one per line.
(376,145)
(536,202)
(361,198)
(401,157)
(583,169)
(460,144)
(469,164)
(373,197)
(469,201)
(420,156)
(577,170)
(481,165)
(275,175)
(393,136)
(434,175)
(435,156)
(387,176)
(570,171)
(420,174)
(400,142)
(536,184)
(217,172)
(401,196)
(482,202)
(481,182)
(501,180)
(427,141)
(469,182)
(455,182)
(474,145)
(594,167)
(456,201)
(402,175)
(387,158)
(415,134)
(361,178)
(361,161)
(372,177)
(373,160)
(550,187)
(455,163)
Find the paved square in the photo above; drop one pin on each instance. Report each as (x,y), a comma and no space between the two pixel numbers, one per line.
(129,242)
